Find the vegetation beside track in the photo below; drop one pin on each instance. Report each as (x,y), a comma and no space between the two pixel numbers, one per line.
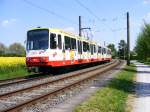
(12,67)
(142,47)
(147,63)
(113,97)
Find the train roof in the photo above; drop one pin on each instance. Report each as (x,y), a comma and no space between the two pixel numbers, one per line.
(56,30)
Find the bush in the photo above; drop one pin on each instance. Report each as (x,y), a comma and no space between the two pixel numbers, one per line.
(148,59)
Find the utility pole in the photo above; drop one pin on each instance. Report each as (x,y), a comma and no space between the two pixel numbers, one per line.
(80,27)
(128,39)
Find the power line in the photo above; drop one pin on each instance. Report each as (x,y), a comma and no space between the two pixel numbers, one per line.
(101,20)
(49,11)
(93,14)
(82,5)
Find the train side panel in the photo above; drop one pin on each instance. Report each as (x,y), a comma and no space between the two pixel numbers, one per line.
(65,49)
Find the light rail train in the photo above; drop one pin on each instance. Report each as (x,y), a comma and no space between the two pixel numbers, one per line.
(48,48)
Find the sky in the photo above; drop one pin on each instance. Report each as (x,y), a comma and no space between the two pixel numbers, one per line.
(106,18)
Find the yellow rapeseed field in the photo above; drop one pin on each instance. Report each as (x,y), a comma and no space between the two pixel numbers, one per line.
(11,63)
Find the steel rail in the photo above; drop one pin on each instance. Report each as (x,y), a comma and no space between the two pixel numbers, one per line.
(104,69)
(55,80)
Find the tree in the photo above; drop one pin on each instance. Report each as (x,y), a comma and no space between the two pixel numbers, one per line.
(16,49)
(3,49)
(113,50)
(122,49)
(143,43)
(141,48)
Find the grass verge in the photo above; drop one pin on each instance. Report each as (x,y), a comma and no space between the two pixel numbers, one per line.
(113,97)
(9,74)
(147,63)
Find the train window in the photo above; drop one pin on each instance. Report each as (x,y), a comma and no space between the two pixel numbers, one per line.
(88,47)
(37,39)
(53,41)
(59,42)
(104,50)
(99,49)
(73,43)
(94,49)
(84,46)
(109,52)
(91,48)
(67,43)
(79,47)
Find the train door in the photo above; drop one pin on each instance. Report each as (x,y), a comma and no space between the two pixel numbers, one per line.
(79,51)
(59,47)
(100,53)
(53,47)
(73,51)
(104,53)
(63,49)
(67,48)
(95,52)
(92,51)
(56,49)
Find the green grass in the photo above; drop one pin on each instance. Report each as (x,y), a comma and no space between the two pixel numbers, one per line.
(13,73)
(113,97)
(147,63)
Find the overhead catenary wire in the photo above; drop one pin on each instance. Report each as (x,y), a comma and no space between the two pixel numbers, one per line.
(82,5)
(67,19)
(102,20)
(50,12)
(93,14)
(90,12)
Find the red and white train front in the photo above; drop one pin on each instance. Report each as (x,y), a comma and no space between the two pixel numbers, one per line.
(37,48)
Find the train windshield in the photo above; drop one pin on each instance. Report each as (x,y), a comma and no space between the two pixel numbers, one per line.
(37,39)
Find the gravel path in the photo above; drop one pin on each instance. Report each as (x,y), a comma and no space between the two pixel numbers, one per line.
(142,100)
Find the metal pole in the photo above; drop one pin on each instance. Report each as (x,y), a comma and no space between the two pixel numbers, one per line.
(80,32)
(128,39)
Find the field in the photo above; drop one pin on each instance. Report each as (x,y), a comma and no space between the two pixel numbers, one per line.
(11,67)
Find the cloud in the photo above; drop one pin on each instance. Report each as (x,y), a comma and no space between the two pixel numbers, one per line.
(6,23)
(146,1)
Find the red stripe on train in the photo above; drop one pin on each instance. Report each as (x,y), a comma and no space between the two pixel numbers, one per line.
(43,61)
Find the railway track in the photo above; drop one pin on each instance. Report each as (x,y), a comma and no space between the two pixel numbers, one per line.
(18,99)
(16,84)
(8,82)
